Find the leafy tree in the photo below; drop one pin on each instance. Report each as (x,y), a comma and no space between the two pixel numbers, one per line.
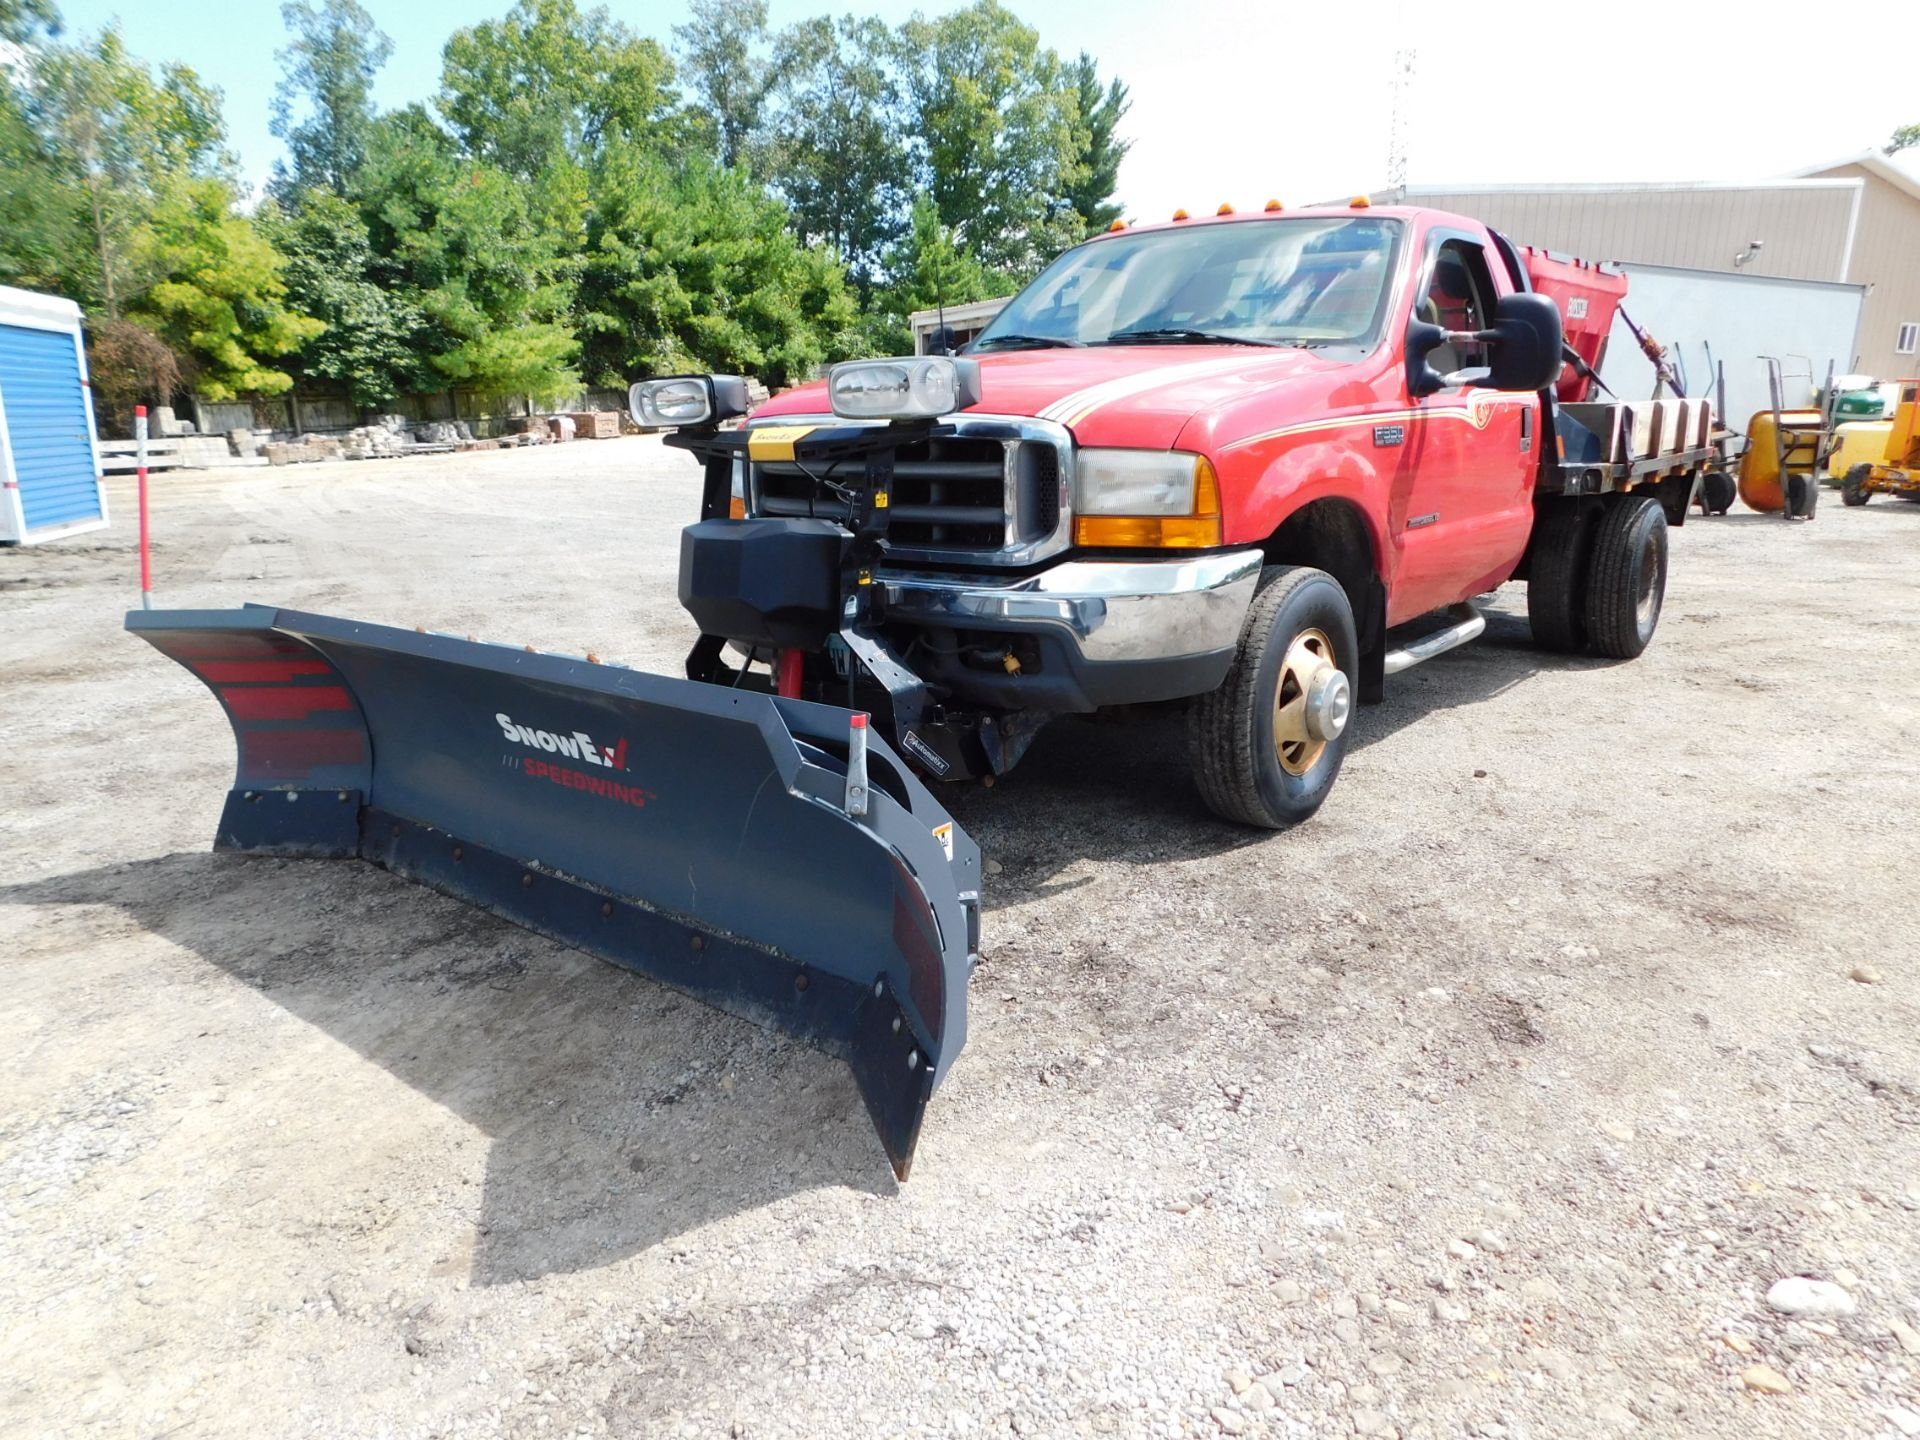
(128,365)
(1905,138)
(458,240)
(993,120)
(550,84)
(372,341)
(327,68)
(28,22)
(723,54)
(701,269)
(838,156)
(220,301)
(39,219)
(1093,173)
(116,134)
(931,268)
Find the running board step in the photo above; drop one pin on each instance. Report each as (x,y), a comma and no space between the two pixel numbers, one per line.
(1468,623)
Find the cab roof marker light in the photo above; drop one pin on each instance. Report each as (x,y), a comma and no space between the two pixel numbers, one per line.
(1273,205)
(1226,208)
(1116,225)
(1360,202)
(1180,214)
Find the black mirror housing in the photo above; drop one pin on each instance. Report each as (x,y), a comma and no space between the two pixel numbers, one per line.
(1527,336)
(1422,340)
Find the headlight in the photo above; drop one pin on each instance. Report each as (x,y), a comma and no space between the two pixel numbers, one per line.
(1151,498)
(1134,482)
(916,387)
(677,400)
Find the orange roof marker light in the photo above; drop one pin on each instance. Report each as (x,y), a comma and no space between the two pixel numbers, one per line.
(1273,205)
(1117,225)
(1360,202)
(1226,208)
(1180,214)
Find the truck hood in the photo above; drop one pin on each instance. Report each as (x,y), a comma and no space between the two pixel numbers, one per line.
(1139,395)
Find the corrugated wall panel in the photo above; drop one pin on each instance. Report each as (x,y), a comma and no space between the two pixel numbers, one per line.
(47,428)
(1703,228)
(1886,256)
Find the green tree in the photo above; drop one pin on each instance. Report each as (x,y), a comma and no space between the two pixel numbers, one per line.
(323,105)
(371,344)
(699,268)
(1093,172)
(220,300)
(992,117)
(838,155)
(724,61)
(39,215)
(459,241)
(117,134)
(931,267)
(1905,138)
(28,22)
(550,84)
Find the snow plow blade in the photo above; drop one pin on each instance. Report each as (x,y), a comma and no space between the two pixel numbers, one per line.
(696,834)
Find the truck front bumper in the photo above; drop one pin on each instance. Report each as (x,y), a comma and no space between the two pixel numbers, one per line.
(1107,632)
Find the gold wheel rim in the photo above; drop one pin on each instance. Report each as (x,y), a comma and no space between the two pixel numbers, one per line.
(1296,749)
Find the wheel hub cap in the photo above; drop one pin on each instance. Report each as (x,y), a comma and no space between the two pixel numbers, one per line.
(1329,703)
(1311,704)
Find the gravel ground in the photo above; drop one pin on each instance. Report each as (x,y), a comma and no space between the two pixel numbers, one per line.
(1494,1102)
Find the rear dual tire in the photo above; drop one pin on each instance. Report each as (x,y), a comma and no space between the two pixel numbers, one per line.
(1597,577)
(1261,752)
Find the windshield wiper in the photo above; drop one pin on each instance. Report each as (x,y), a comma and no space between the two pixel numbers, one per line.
(1179,335)
(1026,342)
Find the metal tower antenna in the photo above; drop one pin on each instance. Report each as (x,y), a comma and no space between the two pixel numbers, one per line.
(1401,84)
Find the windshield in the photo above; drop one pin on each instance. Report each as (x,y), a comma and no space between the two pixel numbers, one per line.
(1260,282)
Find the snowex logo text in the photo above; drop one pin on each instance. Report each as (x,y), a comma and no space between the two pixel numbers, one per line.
(575,745)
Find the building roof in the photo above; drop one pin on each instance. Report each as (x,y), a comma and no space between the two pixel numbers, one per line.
(1874,163)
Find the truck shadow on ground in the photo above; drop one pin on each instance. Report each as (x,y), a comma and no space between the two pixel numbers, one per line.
(618,1113)
(1121,789)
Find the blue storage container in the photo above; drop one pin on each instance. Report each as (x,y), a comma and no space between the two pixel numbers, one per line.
(49,464)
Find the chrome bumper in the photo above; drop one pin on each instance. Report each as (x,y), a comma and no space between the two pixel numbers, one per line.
(1106,611)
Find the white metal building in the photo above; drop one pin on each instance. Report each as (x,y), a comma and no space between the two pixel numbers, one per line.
(1853,222)
(49,459)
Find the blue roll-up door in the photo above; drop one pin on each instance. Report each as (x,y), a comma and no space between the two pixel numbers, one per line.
(47,431)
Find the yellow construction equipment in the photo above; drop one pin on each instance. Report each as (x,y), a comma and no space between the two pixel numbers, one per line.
(1897,470)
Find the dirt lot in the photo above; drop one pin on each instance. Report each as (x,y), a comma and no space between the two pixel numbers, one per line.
(1491,1103)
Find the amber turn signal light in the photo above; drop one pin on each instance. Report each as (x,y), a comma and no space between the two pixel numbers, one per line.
(1202,530)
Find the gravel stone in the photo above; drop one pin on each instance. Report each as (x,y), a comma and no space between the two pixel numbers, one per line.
(1766,1380)
(1798,1295)
(524,1205)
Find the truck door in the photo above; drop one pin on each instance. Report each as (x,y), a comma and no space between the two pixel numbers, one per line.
(1461,502)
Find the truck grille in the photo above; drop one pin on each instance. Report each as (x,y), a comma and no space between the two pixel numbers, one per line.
(953,494)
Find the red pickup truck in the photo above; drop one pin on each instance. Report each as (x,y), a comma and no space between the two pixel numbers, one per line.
(1220,462)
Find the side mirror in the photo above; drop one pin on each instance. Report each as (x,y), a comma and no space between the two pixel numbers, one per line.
(1422,340)
(1526,336)
(1523,347)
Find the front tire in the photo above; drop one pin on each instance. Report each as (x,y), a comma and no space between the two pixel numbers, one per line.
(1853,486)
(1627,582)
(1268,744)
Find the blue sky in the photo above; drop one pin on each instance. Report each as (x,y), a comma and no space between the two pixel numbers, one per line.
(1241,101)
